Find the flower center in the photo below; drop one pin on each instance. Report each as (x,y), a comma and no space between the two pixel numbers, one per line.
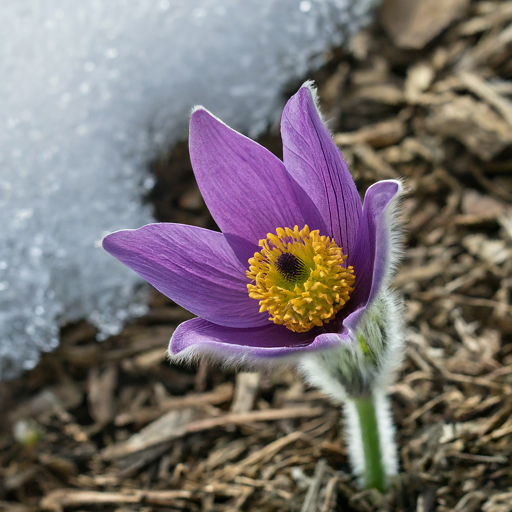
(299,278)
(291,268)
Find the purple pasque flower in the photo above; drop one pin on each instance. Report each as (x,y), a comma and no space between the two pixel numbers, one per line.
(311,197)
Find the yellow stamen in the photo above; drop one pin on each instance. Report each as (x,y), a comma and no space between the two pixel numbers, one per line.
(299,277)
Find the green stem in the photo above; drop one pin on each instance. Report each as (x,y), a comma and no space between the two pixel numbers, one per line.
(374,473)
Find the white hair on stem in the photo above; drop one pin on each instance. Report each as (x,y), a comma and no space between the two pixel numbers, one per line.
(386,425)
(354,441)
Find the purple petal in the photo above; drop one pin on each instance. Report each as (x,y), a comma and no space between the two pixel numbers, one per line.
(371,257)
(316,163)
(246,188)
(194,267)
(199,336)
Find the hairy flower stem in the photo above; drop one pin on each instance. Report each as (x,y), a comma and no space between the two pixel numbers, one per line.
(370,439)
(374,476)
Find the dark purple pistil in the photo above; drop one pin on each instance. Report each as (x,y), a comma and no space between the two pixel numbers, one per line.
(291,268)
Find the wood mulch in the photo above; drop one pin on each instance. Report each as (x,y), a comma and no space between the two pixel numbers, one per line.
(114,426)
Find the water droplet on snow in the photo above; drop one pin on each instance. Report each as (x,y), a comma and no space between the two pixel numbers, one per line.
(24,213)
(12,122)
(111,53)
(54,81)
(36,252)
(29,364)
(53,343)
(82,129)
(199,13)
(305,6)
(84,88)
(149,183)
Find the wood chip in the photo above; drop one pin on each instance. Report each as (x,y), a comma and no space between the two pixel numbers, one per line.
(139,415)
(62,498)
(413,23)
(487,93)
(378,135)
(176,424)
(101,394)
(246,389)
(310,502)
(473,123)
